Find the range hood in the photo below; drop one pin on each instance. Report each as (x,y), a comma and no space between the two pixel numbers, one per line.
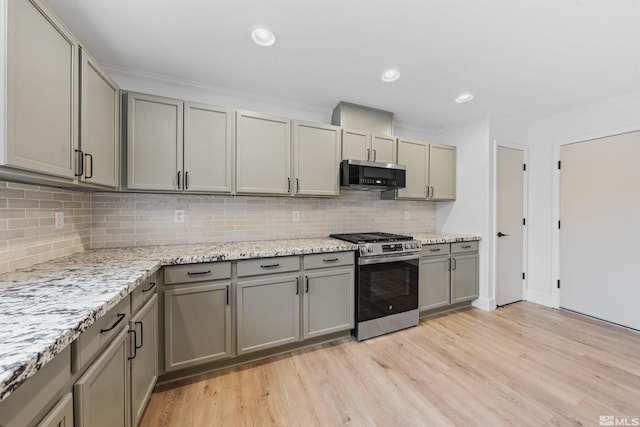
(359,174)
(371,176)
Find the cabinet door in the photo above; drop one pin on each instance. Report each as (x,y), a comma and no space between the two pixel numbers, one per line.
(144,365)
(154,143)
(99,136)
(328,303)
(464,278)
(101,395)
(442,172)
(61,415)
(207,148)
(383,149)
(42,91)
(268,313)
(356,145)
(263,155)
(415,156)
(197,325)
(316,151)
(434,283)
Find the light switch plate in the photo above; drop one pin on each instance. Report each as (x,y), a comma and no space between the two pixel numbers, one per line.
(406,215)
(59,220)
(178,215)
(296,216)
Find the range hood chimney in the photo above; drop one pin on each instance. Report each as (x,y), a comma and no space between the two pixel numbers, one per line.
(358,117)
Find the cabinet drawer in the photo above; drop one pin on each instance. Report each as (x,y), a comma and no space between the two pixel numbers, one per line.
(332,259)
(143,293)
(254,267)
(197,272)
(460,247)
(435,250)
(102,332)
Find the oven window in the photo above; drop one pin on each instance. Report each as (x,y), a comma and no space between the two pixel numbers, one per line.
(387,288)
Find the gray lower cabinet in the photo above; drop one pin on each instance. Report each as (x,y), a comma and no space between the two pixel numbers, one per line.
(328,301)
(61,415)
(268,312)
(434,283)
(197,324)
(144,360)
(101,394)
(464,277)
(448,275)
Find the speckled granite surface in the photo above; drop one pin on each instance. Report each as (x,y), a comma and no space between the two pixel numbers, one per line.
(45,307)
(431,238)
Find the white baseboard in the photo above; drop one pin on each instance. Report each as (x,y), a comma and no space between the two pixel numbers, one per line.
(486,304)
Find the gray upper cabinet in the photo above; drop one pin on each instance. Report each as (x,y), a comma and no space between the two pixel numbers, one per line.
(99,125)
(178,146)
(414,155)
(431,171)
(442,172)
(316,153)
(41,91)
(263,150)
(366,146)
(154,143)
(207,148)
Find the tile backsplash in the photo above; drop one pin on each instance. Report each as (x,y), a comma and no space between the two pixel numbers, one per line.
(27,232)
(105,220)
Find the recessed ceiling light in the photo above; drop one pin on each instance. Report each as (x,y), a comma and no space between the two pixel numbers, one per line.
(263,36)
(390,75)
(464,98)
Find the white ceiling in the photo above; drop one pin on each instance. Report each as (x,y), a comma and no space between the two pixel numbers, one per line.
(523,59)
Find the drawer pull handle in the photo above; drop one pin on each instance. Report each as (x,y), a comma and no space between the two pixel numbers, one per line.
(151,286)
(330,260)
(198,273)
(269,265)
(121,317)
(465,246)
(434,250)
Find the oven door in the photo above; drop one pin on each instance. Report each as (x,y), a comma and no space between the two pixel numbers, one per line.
(386,285)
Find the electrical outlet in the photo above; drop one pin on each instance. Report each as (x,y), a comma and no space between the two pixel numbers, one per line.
(178,216)
(296,216)
(406,215)
(59,220)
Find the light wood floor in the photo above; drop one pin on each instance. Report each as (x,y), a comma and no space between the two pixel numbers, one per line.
(522,365)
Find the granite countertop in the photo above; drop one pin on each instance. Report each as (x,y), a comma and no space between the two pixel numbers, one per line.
(45,307)
(432,238)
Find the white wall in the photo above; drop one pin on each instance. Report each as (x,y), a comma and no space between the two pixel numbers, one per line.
(471,212)
(545,138)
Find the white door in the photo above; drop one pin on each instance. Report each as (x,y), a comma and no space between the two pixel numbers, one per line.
(599,233)
(510,236)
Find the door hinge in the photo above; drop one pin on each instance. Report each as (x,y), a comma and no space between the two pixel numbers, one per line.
(559,164)
(558,224)
(524,276)
(558,283)
(524,167)
(524,221)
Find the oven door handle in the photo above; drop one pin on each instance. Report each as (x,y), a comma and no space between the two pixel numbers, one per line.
(386,259)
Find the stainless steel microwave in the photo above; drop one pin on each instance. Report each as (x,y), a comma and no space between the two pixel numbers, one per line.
(361,175)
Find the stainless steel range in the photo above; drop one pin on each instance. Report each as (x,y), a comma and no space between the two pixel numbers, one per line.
(386,282)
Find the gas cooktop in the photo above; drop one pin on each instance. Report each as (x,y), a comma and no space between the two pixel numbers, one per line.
(371,237)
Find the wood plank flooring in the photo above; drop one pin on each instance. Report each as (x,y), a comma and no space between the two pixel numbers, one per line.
(521,365)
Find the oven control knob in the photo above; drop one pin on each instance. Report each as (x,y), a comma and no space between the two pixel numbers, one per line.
(369,248)
(363,250)
(406,246)
(414,246)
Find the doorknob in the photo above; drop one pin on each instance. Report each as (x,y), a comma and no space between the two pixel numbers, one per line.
(501,234)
